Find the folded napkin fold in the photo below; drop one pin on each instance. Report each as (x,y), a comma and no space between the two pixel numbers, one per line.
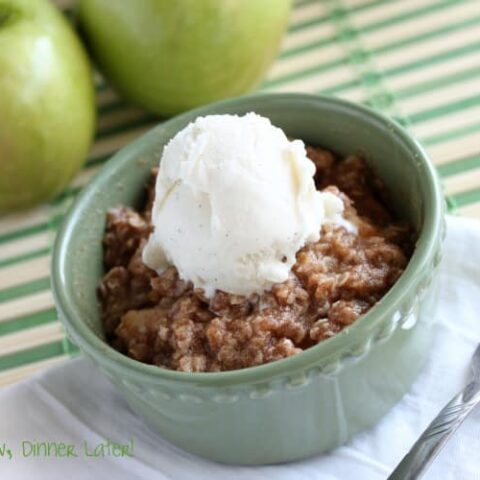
(76,405)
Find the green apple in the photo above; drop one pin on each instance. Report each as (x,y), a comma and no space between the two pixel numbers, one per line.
(47,109)
(172,55)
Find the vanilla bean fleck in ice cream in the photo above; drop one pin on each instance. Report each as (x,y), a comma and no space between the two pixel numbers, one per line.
(235,200)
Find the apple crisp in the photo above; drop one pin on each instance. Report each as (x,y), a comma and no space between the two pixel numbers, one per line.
(162,320)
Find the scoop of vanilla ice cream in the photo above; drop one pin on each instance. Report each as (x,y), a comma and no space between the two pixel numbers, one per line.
(235,200)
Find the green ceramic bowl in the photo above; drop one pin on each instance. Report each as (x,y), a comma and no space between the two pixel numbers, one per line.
(308,403)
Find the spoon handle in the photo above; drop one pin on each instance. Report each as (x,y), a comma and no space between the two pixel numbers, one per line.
(427,447)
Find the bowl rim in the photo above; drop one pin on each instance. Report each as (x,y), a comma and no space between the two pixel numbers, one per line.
(426,247)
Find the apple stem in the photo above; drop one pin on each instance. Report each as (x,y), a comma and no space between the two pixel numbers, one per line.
(6,14)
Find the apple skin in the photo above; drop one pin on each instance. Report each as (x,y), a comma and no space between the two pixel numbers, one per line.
(47,107)
(172,55)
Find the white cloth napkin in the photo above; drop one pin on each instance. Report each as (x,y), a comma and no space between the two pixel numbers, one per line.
(73,403)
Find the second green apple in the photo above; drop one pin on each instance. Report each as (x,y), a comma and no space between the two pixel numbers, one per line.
(170,56)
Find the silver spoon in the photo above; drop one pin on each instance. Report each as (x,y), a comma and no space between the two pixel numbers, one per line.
(428,446)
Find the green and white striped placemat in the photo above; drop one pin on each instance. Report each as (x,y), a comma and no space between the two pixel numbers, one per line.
(417,60)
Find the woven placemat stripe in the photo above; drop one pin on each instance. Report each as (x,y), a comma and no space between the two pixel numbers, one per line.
(451,134)
(469,210)
(439,130)
(24,245)
(461,165)
(464,180)
(438,82)
(446,109)
(377,93)
(449,151)
(426,60)
(36,354)
(14,222)
(13,235)
(313,45)
(310,21)
(25,309)
(34,286)
(23,340)
(24,257)
(466,198)
(400,12)
(26,322)
(16,374)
